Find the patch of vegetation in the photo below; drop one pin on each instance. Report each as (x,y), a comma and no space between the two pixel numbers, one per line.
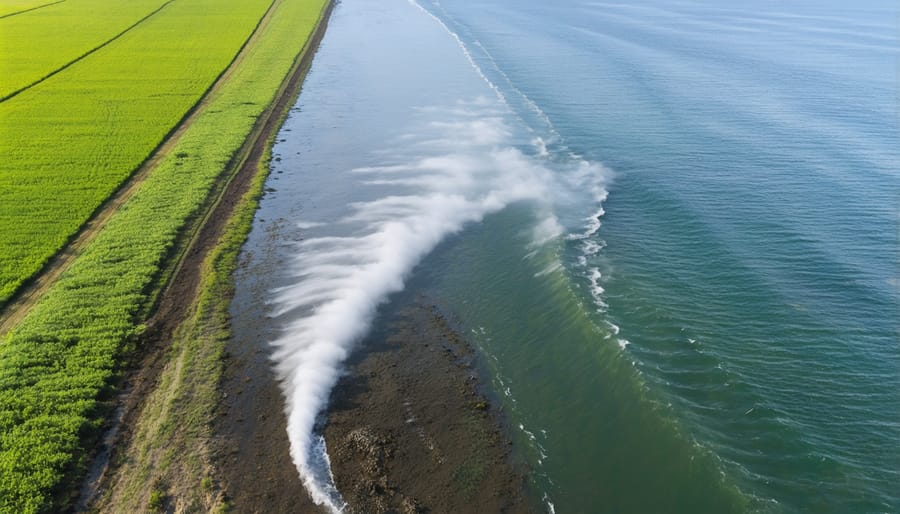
(225,507)
(69,142)
(58,364)
(157,500)
(470,474)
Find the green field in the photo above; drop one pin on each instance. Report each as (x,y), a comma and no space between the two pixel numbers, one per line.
(14,7)
(40,42)
(57,365)
(70,141)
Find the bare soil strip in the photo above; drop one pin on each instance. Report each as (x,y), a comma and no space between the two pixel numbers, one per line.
(26,297)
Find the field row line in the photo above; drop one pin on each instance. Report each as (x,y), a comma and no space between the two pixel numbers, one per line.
(86,54)
(189,332)
(193,229)
(23,11)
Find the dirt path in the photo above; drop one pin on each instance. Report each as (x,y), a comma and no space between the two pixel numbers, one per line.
(179,294)
(28,295)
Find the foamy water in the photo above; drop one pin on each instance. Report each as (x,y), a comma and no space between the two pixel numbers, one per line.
(466,174)
(466,168)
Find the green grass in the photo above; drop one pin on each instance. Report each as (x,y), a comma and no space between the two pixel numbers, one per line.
(70,141)
(57,365)
(156,501)
(39,42)
(12,7)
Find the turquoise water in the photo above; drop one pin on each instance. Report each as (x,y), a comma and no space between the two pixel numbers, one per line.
(670,228)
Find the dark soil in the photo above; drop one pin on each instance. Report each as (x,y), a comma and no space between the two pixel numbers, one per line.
(410,431)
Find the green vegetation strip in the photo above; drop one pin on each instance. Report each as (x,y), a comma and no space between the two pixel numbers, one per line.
(58,364)
(169,459)
(69,142)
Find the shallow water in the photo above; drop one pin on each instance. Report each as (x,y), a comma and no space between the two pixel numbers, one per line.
(671,229)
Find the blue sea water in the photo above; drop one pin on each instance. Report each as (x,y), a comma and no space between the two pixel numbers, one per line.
(671,228)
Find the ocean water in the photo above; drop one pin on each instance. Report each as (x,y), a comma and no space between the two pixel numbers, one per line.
(670,228)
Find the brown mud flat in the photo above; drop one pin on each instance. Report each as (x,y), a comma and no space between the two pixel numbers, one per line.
(408,429)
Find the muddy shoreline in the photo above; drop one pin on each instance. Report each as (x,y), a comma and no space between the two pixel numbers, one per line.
(413,406)
(409,428)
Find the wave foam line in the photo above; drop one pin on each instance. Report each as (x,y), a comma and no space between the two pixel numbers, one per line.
(464,49)
(588,177)
(539,143)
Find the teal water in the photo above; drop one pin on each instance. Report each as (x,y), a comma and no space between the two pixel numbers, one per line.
(671,229)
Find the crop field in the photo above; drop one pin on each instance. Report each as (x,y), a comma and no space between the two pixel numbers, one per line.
(14,7)
(68,142)
(57,365)
(39,42)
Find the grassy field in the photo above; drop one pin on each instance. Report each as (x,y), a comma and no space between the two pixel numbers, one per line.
(70,141)
(14,7)
(39,42)
(57,366)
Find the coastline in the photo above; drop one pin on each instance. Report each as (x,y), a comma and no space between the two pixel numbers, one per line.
(201,424)
(101,317)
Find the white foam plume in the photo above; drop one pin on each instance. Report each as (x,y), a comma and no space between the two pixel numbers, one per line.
(340,281)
